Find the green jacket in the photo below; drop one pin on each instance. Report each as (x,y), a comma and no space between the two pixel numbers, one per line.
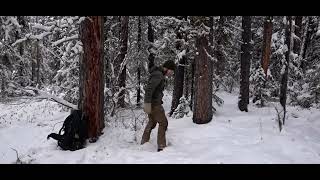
(155,86)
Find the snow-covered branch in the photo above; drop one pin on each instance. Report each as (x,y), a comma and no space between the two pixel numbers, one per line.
(19,41)
(65,39)
(42,27)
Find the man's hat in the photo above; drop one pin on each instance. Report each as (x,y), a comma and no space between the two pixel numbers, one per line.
(170,65)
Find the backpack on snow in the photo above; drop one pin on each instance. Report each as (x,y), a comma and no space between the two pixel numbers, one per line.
(75,132)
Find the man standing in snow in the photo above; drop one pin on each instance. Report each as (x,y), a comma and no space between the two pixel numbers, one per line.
(153,103)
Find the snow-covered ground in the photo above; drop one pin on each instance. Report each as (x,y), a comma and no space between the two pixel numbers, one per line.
(231,137)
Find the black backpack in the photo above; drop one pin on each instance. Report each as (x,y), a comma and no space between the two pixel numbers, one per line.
(75,132)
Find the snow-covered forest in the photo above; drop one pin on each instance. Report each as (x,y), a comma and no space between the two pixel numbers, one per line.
(246,89)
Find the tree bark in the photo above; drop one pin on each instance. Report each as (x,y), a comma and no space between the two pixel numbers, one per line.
(151,41)
(139,62)
(186,79)
(91,74)
(192,83)
(298,33)
(246,50)
(38,59)
(310,31)
(266,47)
(284,79)
(220,64)
(203,82)
(21,22)
(211,31)
(178,84)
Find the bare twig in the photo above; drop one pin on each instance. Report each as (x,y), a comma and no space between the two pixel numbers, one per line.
(260,122)
(279,119)
(56,124)
(18,161)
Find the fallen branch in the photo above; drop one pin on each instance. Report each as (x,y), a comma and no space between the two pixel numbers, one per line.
(39,94)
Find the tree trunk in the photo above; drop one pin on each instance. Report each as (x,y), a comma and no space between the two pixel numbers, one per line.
(246,50)
(33,72)
(3,87)
(284,79)
(220,64)
(121,60)
(203,83)
(151,41)
(178,84)
(91,74)
(102,72)
(139,62)
(33,62)
(192,83)
(178,75)
(21,22)
(298,33)
(310,31)
(266,47)
(38,59)
(211,31)
(186,79)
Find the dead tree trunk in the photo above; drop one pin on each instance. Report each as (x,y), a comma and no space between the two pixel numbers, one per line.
(246,49)
(91,74)
(284,79)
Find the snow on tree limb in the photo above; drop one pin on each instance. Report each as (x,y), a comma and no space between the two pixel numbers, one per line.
(213,59)
(19,41)
(295,37)
(42,27)
(65,39)
(15,22)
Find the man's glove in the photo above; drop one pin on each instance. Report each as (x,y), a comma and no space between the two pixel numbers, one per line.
(147,108)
